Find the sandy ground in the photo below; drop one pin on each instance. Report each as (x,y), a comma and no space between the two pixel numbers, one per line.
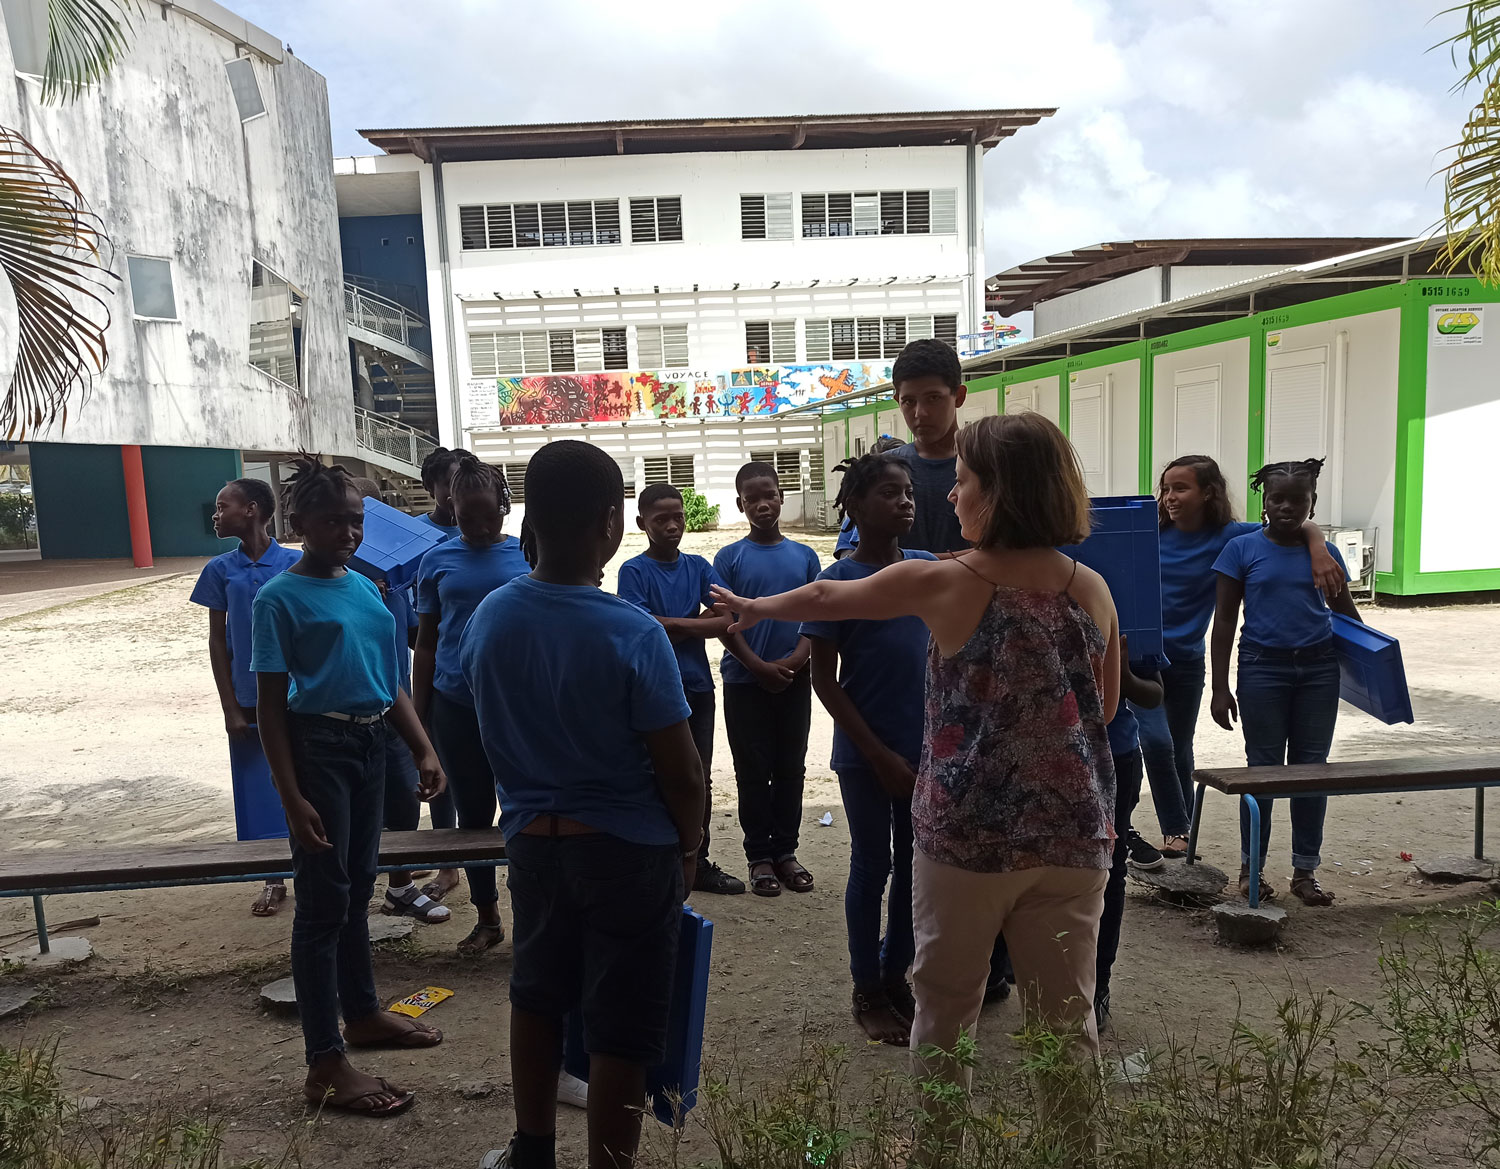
(111,734)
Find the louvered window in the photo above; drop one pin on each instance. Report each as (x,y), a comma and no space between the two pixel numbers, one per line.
(663,346)
(656,221)
(873,338)
(537,351)
(515,476)
(766,216)
(770,342)
(788,464)
(581,223)
(674,469)
(879,213)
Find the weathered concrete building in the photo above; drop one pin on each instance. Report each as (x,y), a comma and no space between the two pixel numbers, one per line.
(207,154)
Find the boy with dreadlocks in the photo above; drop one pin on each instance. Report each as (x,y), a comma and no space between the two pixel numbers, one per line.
(871,677)
(1288,695)
(602,814)
(323,648)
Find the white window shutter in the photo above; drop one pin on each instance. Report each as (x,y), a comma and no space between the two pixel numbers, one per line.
(1086,428)
(1297,406)
(536,352)
(817,341)
(508,353)
(1196,412)
(944,213)
(588,350)
(648,341)
(482,355)
(918,328)
(783,342)
(867,213)
(674,345)
(779,216)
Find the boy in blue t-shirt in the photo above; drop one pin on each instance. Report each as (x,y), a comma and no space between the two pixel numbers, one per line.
(767,690)
(673,587)
(582,713)
(243,510)
(1144,693)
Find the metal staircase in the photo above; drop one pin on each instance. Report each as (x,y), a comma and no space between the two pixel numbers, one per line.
(393,419)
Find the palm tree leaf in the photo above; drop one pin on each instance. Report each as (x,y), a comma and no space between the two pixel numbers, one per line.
(1479,41)
(55,254)
(84,40)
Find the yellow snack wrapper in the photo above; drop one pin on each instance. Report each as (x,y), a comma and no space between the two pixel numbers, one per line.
(421,1002)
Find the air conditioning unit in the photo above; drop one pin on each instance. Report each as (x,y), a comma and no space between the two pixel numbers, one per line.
(1357,547)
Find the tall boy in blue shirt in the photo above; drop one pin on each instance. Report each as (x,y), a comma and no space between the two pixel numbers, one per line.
(767,687)
(583,718)
(673,586)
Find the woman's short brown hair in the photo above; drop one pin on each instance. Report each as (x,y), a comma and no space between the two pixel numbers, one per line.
(1032,480)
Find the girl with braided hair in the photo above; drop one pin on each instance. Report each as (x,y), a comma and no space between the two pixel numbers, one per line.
(323,648)
(1288,693)
(453,578)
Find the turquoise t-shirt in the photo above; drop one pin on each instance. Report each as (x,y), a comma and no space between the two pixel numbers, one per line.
(334,638)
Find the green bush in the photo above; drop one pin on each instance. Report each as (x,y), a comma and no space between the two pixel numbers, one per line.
(700,515)
(16,512)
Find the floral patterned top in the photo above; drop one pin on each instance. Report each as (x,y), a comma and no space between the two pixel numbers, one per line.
(1016,770)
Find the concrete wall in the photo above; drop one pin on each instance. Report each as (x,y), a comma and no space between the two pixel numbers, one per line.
(160,153)
(377,246)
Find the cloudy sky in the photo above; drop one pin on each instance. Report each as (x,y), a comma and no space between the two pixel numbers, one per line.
(1176,118)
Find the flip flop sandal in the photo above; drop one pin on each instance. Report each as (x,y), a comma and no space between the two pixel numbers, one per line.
(418,1035)
(764,883)
(793,875)
(410,903)
(480,939)
(401,1102)
(269,901)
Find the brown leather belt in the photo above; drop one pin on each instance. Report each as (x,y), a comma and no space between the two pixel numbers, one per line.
(549,824)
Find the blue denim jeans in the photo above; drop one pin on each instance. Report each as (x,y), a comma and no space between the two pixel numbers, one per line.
(341,773)
(1289,702)
(1167,744)
(1127,795)
(879,850)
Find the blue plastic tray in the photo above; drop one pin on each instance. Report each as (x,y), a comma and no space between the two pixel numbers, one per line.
(257,808)
(394,544)
(1371,675)
(673,1084)
(1125,549)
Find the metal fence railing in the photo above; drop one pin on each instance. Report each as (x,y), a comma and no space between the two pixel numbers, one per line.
(379,314)
(380,435)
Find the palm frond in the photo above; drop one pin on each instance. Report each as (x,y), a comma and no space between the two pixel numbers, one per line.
(57,257)
(1471,178)
(84,40)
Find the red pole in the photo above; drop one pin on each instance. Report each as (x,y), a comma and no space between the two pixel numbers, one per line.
(135,506)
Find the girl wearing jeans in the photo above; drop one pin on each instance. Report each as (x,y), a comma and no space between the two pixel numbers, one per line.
(1016,789)
(1197,522)
(870,675)
(1288,694)
(323,648)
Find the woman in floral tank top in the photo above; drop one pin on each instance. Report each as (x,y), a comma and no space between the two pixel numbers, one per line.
(1015,793)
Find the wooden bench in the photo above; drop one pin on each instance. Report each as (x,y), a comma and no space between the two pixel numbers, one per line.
(1368,777)
(37,873)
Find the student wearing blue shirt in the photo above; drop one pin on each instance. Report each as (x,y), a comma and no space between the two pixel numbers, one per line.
(1288,693)
(1197,522)
(767,690)
(403,810)
(453,578)
(243,511)
(328,693)
(437,472)
(673,586)
(1144,692)
(582,713)
(871,676)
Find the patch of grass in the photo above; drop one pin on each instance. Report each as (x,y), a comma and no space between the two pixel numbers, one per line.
(153,985)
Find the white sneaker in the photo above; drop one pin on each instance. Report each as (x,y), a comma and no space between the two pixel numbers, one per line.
(572,1091)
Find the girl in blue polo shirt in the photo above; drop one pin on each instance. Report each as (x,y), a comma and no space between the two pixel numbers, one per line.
(453,578)
(1288,695)
(324,655)
(243,511)
(871,676)
(437,470)
(1197,522)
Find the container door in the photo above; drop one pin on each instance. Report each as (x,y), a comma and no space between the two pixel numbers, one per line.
(1297,405)
(1088,427)
(1195,412)
(833,453)
(1019,401)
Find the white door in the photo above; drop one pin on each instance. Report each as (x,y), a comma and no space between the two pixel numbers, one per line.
(1195,411)
(833,454)
(861,436)
(1088,427)
(1297,405)
(1020,401)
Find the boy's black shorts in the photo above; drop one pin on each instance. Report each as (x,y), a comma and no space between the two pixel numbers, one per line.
(596,923)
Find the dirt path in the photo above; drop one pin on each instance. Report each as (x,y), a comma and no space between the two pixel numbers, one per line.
(112,734)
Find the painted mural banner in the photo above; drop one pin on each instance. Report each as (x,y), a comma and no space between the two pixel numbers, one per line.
(750,392)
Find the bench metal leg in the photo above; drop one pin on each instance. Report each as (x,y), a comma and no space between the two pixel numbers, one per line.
(43,943)
(1254,805)
(1479,823)
(1197,820)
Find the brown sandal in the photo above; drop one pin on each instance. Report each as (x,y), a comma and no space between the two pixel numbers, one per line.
(763,882)
(1267,893)
(1306,889)
(365,1104)
(873,1001)
(793,875)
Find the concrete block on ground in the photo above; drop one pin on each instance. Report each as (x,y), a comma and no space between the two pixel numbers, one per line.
(1452,869)
(1194,886)
(280,997)
(385,929)
(1240,924)
(64,952)
(15,998)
